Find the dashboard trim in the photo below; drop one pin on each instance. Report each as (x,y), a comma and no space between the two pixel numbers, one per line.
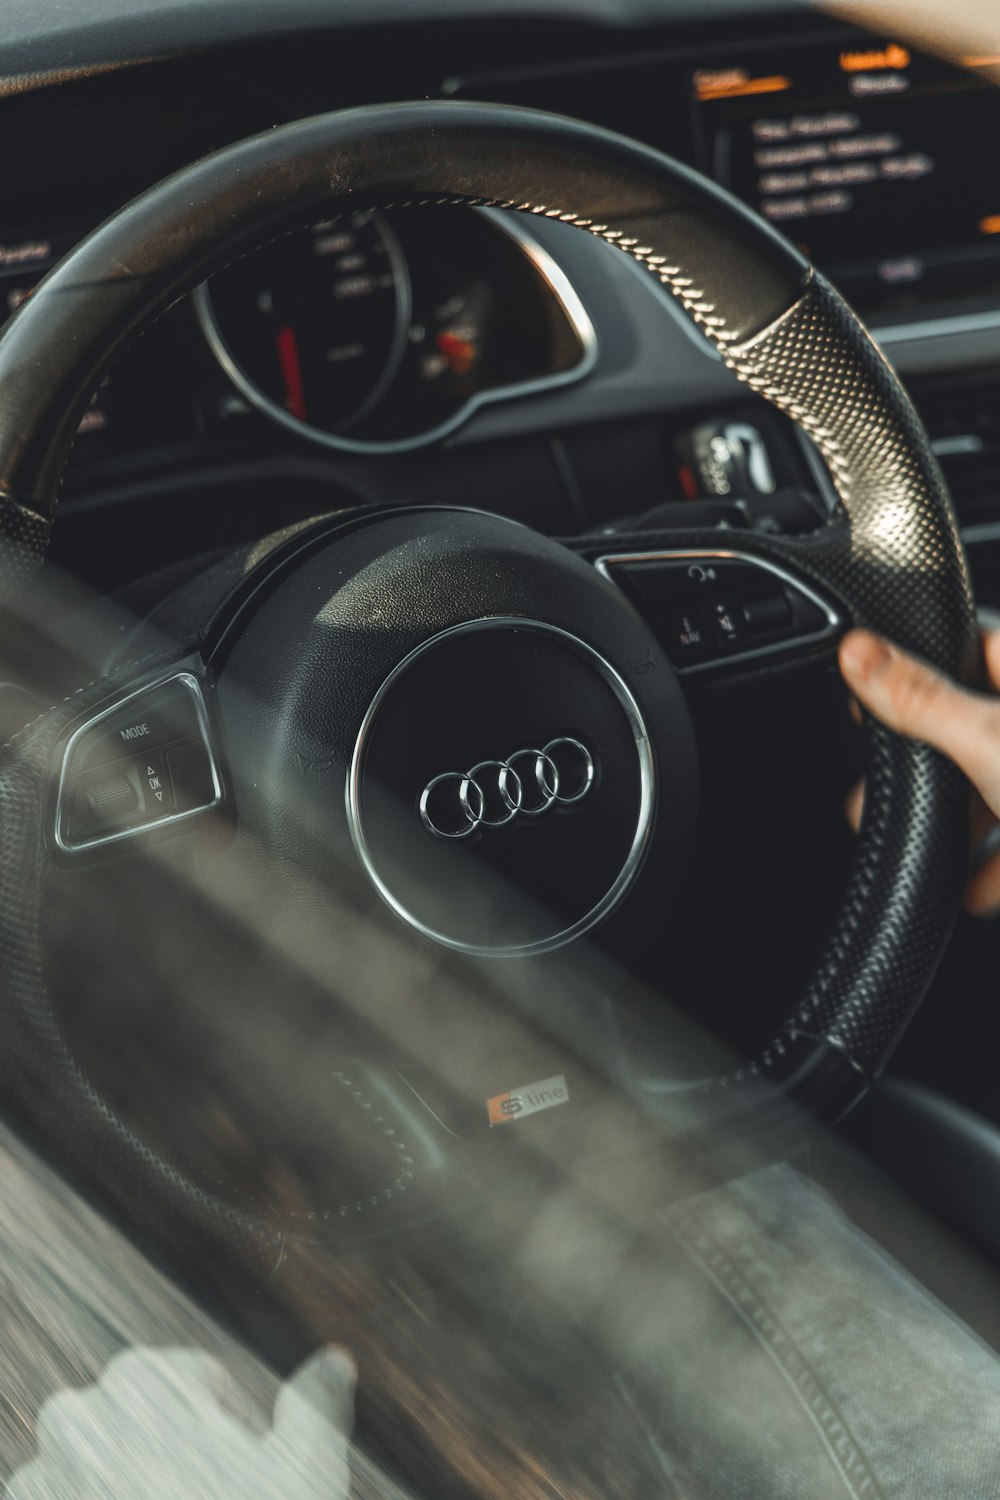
(948,325)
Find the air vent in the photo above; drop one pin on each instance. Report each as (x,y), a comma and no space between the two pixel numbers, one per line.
(963,420)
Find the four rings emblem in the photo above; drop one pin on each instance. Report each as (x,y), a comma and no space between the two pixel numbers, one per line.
(494,793)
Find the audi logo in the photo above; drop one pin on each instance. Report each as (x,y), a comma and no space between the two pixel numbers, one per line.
(494,793)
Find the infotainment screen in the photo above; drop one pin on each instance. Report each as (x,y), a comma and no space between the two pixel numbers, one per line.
(882,163)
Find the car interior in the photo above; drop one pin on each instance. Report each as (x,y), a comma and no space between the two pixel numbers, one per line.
(424,851)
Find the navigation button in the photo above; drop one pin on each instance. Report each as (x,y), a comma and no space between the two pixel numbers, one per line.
(688,638)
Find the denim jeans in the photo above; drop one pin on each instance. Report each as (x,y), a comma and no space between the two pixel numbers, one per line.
(755,1346)
(782,1355)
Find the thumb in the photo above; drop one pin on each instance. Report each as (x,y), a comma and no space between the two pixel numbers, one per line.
(313,1422)
(913,699)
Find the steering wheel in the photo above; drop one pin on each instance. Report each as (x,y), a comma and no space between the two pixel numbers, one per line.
(440,703)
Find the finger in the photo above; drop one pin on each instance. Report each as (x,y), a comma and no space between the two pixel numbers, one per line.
(990,639)
(982,894)
(314,1419)
(855,805)
(982,821)
(912,698)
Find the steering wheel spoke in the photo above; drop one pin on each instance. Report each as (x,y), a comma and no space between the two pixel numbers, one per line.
(142,761)
(721,610)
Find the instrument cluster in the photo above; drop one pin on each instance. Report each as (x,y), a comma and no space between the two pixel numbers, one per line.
(369,333)
(381,331)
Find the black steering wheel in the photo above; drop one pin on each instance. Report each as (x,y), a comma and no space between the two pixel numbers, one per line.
(332,708)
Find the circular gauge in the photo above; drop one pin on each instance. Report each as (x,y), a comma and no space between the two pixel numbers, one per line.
(312,328)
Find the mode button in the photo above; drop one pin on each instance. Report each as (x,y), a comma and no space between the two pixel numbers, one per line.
(157,719)
(131,732)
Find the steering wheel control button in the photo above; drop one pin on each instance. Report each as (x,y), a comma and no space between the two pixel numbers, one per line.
(192,775)
(726,620)
(157,790)
(686,635)
(762,616)
(142,763)
(152,720)
(121,796)
(509,819)
(106,798)
(715,609)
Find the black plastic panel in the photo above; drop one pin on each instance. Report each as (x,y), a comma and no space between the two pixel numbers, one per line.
(716,611)
(138,765)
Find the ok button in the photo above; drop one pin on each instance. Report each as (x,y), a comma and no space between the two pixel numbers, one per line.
(157,788)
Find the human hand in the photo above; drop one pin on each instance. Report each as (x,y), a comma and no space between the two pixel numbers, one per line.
(912,698)
(160,1424)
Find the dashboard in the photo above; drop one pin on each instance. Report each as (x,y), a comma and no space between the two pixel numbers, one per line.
(454,354)
(882,163)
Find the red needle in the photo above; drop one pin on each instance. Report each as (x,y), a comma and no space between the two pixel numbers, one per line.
(460,353)
(287,346)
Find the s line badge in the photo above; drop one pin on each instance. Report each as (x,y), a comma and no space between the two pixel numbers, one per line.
(529,1099)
